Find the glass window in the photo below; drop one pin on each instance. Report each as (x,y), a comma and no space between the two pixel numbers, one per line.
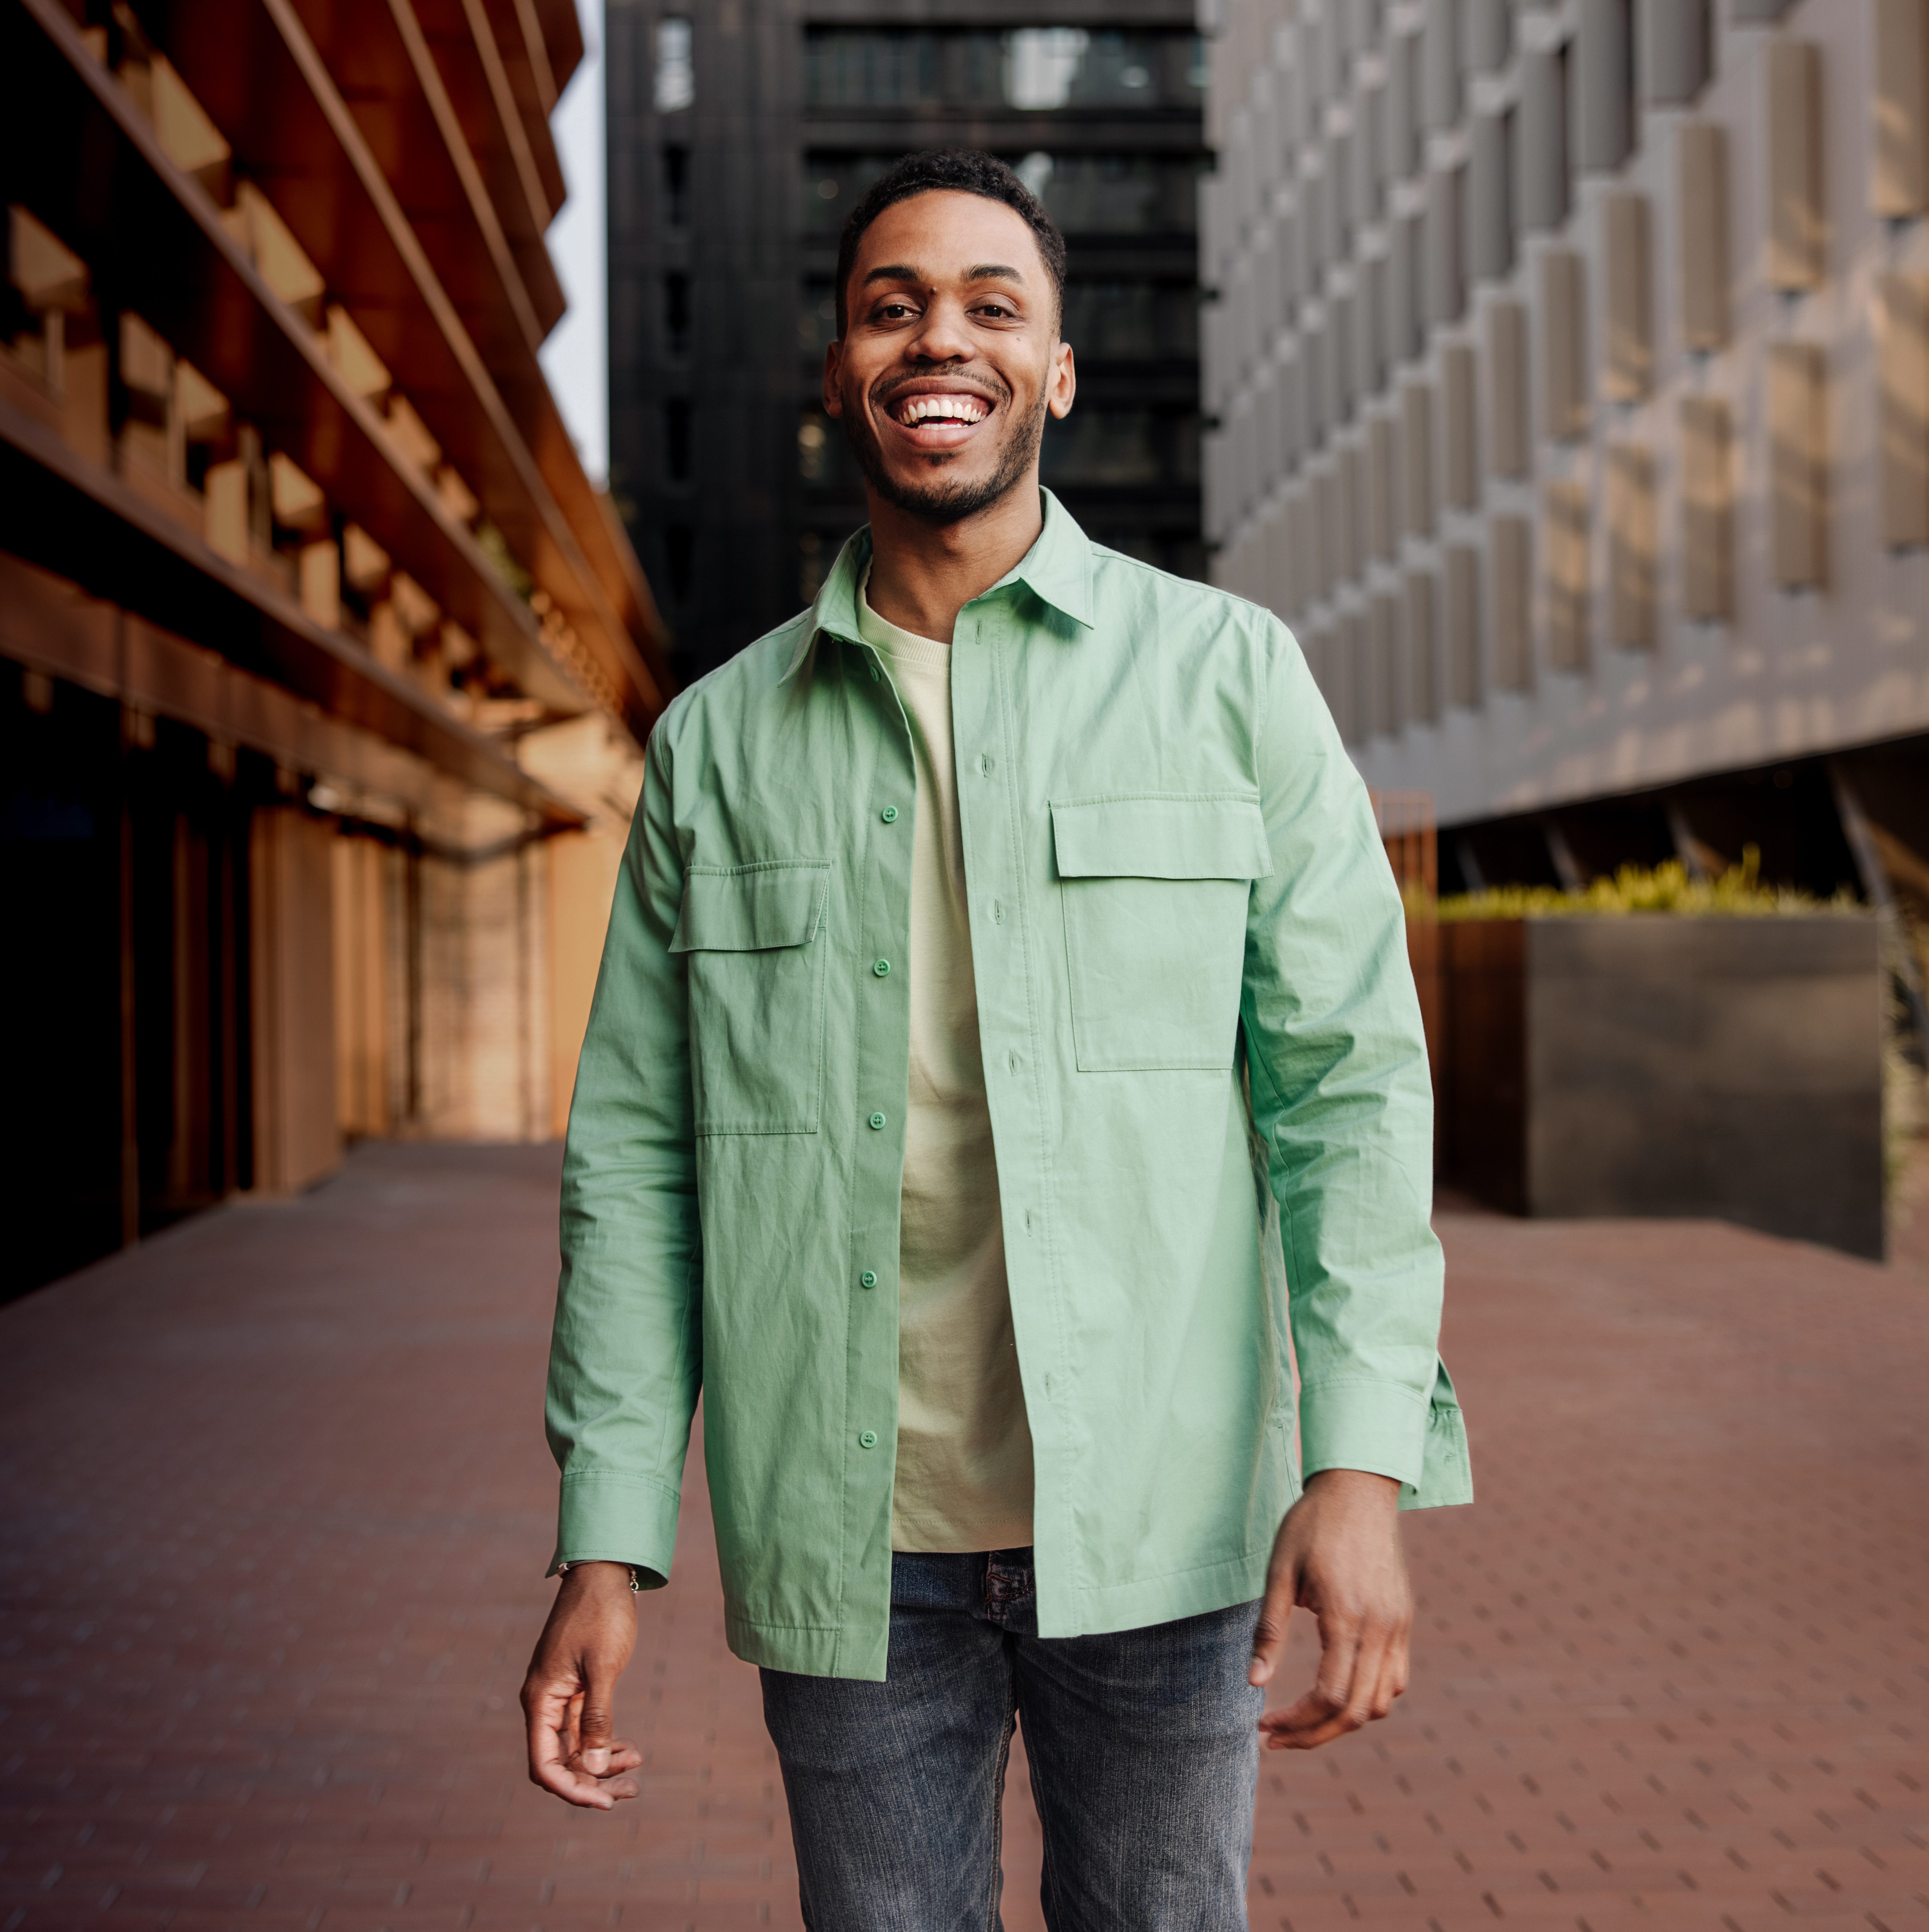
(676,312)
(677,439)
(675,64)
(1102,446)
(816,319)
(832,184)
(1043,70)
(676,184)
(1085,194)
(1121,448)
(813,445)
(812,553)
(1131,322)
(1115,194)
(825,463)
(1042,65)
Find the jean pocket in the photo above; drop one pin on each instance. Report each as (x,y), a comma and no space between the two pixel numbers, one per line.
(755,946)
(1155,889)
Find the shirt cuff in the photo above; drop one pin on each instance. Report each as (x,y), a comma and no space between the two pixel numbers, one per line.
(1388,1428)
(1378,1426)
(607,1519)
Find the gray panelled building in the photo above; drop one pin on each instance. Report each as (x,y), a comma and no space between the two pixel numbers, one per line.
(1573,358)
(741,132)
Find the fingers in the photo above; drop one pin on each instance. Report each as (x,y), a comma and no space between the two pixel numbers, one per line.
(547,1709)
(1363,1668)
(558,1764)
(1326,1711)
(1269,1634)
(596,1728)
(1392,1680)
(614,1783)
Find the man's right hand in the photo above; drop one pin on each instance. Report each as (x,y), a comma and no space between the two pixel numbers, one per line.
(569,1695)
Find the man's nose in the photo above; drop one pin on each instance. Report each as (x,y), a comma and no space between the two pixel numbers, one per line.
(942,337)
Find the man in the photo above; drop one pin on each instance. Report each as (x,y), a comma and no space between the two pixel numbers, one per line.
(1004,960)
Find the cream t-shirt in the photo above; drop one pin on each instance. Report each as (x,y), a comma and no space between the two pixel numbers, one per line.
(963,1473)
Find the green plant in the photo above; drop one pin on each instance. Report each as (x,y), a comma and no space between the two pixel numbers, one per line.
(1739,893)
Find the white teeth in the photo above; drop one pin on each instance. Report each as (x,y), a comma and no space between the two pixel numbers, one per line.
(959,408)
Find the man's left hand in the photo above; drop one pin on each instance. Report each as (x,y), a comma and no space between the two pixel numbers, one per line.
(1338,1555)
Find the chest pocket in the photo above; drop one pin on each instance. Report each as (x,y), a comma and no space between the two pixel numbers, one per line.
(754,936)
(1155,891)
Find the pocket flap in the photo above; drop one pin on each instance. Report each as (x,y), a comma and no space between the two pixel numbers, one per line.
(752,908)
(1176,837)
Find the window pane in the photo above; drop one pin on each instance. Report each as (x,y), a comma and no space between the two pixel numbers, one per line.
(1101,446)
(816,319)
(1131,322)
(1085,194)
(1033,69)
(676,65)
(1115,194)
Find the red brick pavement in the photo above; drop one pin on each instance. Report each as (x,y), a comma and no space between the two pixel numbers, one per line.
(275,1506)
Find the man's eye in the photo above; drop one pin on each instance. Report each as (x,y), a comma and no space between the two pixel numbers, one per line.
(894,311)
(997,311)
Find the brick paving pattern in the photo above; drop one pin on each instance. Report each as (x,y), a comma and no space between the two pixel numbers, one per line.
(273,1506)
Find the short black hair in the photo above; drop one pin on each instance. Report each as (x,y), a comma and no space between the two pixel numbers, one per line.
(955,171)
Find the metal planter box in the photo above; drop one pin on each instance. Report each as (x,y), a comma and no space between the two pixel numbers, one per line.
(1654,1064)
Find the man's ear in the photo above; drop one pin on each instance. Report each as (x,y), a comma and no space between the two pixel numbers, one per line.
(833,362)
(1064,383)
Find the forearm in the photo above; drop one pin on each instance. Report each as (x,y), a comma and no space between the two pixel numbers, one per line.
(625,1363)
(1342,1101)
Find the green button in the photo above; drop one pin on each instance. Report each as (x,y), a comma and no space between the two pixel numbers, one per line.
(868,1440)
(890,814)
(880,967)
(877,1119)
(868,1278)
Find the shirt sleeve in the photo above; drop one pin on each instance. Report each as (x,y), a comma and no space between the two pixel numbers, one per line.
(626,1358)
(1342,1099)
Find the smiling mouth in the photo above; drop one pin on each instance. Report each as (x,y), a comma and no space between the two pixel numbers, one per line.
(958,410)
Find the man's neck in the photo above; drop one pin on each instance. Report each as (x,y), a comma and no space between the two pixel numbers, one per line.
(923,574)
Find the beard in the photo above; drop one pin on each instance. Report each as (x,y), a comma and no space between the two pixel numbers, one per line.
(940,502)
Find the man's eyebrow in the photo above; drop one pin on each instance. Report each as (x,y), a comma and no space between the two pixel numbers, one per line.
(986,272)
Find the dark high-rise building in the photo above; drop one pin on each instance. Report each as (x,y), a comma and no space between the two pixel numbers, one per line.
(741,132)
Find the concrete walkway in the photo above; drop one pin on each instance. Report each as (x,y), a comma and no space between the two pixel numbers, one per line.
(274,1505)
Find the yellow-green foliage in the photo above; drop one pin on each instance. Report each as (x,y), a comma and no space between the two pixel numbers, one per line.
(1738,894)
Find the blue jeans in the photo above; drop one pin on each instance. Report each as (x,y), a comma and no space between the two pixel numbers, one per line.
(1143,1748)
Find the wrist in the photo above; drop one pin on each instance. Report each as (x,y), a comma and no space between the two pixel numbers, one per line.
(1361,1485)
(591,1572)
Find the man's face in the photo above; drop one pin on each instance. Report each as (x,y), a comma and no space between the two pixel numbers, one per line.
(950,357)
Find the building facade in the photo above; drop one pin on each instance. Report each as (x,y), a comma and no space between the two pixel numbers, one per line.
(739,136)
(1571,362)
(324,672)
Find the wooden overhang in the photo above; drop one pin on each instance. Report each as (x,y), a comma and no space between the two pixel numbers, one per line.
(88,163)
(343,111)
(541,44)
(468,66)
(76,516)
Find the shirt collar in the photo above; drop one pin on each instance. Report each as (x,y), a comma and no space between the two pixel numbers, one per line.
(1056,569)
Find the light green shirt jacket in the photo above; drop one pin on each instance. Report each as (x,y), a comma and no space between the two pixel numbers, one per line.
(1208,1091)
